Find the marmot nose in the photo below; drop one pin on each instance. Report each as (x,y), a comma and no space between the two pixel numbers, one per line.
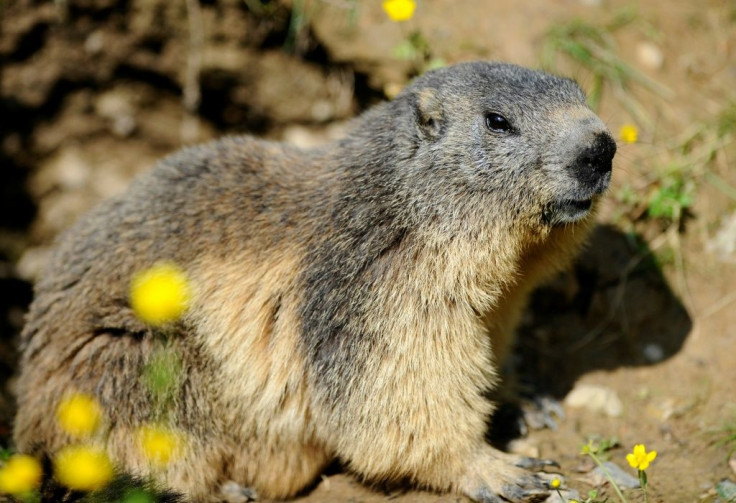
(597,158)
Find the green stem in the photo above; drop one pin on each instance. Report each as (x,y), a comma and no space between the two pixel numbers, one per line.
(643,483)
(608,476)
(30,497)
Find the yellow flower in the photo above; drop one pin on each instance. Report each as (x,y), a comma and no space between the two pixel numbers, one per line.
(399,10)
(589,448)
(629,133)
(555,483)
(159,444)
(20,474)
(640,458)
(79,414)
(160,294)
(83,468)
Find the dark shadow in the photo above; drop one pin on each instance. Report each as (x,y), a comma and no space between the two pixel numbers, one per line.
(17,211)
(225,113)
(613,309)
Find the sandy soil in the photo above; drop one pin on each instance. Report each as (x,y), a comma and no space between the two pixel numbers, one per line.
(93,91)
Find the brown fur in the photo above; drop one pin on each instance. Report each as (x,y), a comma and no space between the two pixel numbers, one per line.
(353,301)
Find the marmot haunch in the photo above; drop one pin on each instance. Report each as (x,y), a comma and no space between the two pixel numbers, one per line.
(353,301)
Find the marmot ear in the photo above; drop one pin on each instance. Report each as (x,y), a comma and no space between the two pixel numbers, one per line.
(429,114)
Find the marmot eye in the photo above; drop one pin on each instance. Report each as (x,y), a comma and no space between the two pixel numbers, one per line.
(498,123)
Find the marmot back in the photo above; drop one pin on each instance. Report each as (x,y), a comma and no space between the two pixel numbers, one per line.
(353,301)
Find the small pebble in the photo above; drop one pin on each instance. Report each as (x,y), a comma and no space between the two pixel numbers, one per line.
(232,492)
(124,126)
(653,353)
(524,447)
(32,262)
(113,104)
(723,244)
(595,398)
(392,89)
(94,43)
(303,137)
(567,495)
(649,55)
(322,111)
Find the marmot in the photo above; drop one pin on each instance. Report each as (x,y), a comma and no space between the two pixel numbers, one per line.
(353,301)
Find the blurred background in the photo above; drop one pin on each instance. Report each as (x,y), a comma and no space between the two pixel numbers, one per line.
(92,92)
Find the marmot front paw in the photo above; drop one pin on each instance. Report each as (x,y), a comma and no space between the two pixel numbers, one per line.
(494,476)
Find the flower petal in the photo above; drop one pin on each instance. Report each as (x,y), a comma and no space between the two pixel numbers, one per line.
(399,10)
(160,294)
(632,460)
(83,468)
(20,474)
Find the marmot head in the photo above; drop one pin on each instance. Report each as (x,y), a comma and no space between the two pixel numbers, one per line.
(510,139)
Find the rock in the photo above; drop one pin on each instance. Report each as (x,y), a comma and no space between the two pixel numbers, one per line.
(124,126)
(303,137)
(723,244)
(567,495)
(653,353)
(115,106)
(595,398)
(308,137)
(31,262)
(541,412)
(667,408)
(649,56)
(67,170)
(78,176)
(322,110)
(232,492)
(523,447)
(32,85)
(95,42)
(276,86)
(623,479)
(392,89)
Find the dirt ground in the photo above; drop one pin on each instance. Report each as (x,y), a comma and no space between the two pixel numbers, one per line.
(92,92)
